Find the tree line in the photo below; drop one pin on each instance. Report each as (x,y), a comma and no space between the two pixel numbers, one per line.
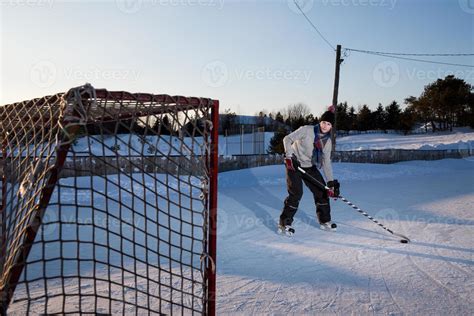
(443,104)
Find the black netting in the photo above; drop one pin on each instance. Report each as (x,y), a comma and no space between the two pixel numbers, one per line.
(106,204)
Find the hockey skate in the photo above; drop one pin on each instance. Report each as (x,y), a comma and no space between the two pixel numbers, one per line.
(286,230)
(329,226)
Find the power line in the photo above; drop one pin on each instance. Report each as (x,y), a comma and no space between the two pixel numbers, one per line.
(314,26)
(392,55)
(406,54)
(411,59)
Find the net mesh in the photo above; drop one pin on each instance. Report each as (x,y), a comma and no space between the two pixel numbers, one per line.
(106,204)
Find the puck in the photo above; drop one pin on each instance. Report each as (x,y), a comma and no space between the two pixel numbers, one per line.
(404,241)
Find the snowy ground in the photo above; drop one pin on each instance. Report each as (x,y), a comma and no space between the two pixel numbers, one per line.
(461,138)
(360,269)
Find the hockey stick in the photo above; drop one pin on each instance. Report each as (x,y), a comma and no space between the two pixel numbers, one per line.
(405,238)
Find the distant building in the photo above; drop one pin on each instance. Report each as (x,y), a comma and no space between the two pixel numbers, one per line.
(235,124)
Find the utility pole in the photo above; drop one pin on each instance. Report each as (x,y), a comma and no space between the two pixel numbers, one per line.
(335,94)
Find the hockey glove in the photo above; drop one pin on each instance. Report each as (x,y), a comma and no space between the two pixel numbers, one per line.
(292,163)
(334,188)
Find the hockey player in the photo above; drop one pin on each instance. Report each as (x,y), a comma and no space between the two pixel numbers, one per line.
(309,147)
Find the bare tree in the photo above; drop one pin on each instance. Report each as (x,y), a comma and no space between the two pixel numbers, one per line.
(297,111)
(295,115)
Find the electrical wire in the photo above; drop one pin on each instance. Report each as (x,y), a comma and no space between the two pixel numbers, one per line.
(392,55)
(407,54)
(314,26)
(411,59)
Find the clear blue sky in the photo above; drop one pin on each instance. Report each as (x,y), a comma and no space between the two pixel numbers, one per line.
(251,55)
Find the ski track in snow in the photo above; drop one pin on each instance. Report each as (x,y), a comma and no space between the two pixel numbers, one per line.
(465,272)
(430,277)
(387,288)
(360,269)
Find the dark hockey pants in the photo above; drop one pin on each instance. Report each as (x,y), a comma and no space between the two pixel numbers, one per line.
(294,181)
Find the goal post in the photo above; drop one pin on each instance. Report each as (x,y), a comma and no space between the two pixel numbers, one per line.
(108,204)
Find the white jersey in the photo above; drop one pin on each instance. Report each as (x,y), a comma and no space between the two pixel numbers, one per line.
(301,144)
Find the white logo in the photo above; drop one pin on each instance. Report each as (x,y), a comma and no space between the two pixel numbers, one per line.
(129,6)
(222,224)
(43,74)
(388,214)
(467,6)
(386,74)
(49,225)
(215,74)
(299,6)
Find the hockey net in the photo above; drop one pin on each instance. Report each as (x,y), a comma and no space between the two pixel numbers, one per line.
(108,204)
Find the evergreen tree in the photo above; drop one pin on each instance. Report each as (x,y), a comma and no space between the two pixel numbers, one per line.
(445,103)
(228,120)
(379,118)
(407,120)
(279,118)
(352,117)
(343,121)
(310,120)
(298,122)
(276,143)
(469,112)
(261,117)
(364,119)
(393,115)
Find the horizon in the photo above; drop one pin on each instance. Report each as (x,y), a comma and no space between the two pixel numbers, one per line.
(251,56)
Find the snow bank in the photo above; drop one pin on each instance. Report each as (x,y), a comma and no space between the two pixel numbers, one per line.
(457,140)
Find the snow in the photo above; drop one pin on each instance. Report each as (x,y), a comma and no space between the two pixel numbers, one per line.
(246,144)
(134,145)
(360,269)
(113,232)
(258,143)
(459,139)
